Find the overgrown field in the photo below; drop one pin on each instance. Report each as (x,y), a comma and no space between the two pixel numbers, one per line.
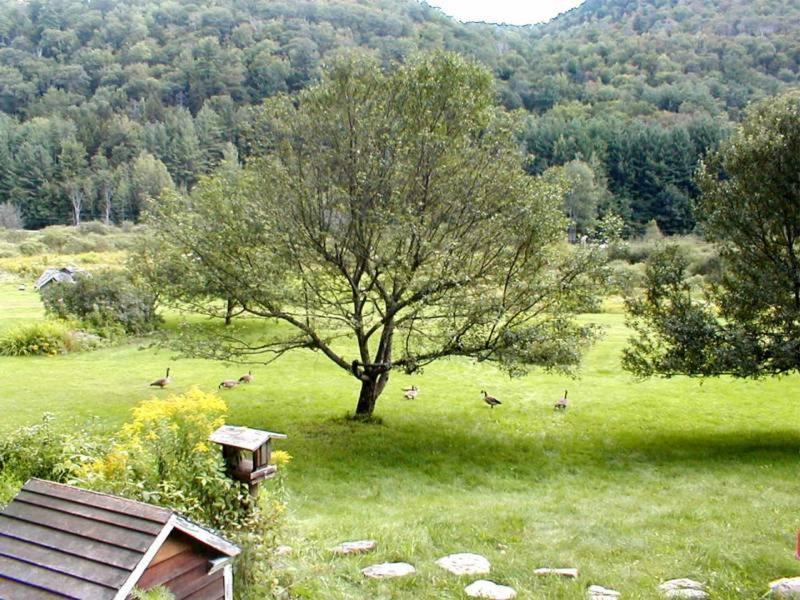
(636,483)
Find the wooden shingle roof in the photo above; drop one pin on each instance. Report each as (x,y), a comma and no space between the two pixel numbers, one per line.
(58,541)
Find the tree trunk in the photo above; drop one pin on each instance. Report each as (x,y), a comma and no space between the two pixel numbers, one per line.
(367,398)
(229,311)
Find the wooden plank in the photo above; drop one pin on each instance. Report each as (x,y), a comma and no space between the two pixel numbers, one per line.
(95,513)
(112,503)
(195,582)
(53,582)
(206,537)
(172,568)
(69,543)
(213,590)
(13,589)
(102,532)
(175,544)
(98,572)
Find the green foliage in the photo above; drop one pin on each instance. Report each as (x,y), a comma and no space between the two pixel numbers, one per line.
(355,217)
(641,91)
(751,208)
(43,451)
(42,338)
(103,300)
(10,485)
(156,593)
(163,457)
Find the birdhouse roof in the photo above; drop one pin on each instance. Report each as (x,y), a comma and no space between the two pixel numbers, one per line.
(243,438)
(61,541)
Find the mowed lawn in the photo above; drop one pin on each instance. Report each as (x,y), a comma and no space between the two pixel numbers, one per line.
(636,483)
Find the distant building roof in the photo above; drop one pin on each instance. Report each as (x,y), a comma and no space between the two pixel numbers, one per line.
(61,541)
(64,274)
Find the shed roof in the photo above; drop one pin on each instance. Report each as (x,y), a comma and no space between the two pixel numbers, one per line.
(243,438)
(60,541)
(64,274)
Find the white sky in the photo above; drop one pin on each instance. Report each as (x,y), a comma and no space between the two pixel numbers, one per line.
(517,12)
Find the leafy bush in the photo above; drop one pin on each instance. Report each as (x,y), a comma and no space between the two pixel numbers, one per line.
(56,238)
(44,338)
(97,227)
(163,457)
(32,247)
(103,301)
(10,484)
(42,451)
(8,250)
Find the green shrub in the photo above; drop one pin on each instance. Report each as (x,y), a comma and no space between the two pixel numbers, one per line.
(107,300)
(57,237)
(15,236)
(32,247)
(10,484)
(8,250)
(42,451)
(96,227)
(163,457)
(10,216)
(42,338)
(78,245)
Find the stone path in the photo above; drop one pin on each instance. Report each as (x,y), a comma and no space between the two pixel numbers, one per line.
(388,570)
(683,588)
(465,564)
(598,592)
(358,547)
(488,589)
(788,587)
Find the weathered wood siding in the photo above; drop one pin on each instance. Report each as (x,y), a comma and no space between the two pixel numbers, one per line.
(182,567)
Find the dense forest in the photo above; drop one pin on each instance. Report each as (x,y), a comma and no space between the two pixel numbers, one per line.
(104,102)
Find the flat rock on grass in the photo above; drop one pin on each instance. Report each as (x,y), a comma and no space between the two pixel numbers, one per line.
(465,564)
(598,592)
(490,590)
(683,588)
(388,570)
(788,587)
(283,550)
(570,573)
(358,547)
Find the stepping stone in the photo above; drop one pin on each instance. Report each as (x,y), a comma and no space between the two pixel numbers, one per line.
(683,588)
(359,547)
(387,570)
(489,589)
(598,592)
(465,564)
(562,572)
(283,550)
(788,587)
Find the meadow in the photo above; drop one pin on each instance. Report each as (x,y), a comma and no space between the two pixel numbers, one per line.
(637,482)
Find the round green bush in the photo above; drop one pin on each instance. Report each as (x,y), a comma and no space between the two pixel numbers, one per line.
(32,248)
(42,338)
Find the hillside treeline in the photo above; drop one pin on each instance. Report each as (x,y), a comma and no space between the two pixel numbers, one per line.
(105,102)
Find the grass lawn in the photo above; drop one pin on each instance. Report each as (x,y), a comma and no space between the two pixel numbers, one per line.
(636,483)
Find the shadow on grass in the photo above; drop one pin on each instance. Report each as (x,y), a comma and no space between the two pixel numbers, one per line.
(448,455)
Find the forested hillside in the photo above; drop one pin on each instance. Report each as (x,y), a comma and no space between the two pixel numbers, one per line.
(105,102)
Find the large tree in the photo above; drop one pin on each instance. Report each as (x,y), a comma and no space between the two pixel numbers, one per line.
(390,223)
(749,325)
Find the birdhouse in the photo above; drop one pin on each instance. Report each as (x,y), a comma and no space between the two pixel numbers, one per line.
(247,452)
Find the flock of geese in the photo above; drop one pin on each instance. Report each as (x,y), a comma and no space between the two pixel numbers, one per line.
(227,384)
(408,393)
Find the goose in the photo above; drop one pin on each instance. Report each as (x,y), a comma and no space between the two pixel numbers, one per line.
(561,403)
(247,378)
(411,393)
(228,384)
(490,400)
(163,381)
